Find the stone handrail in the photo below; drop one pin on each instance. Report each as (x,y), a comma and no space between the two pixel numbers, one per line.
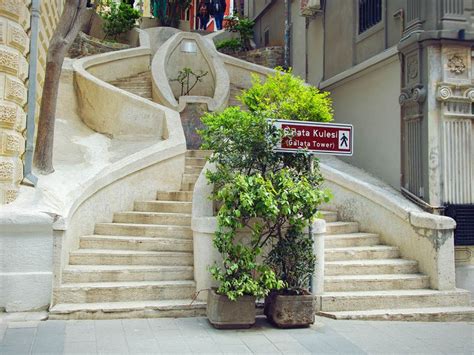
(378,208)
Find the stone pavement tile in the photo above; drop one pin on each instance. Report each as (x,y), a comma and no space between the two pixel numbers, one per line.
(49,338)
(76,332)
(224,338)
(315,345)
(173,347)
(163,323)
(80,347)
(258,344)
(139,336)
(3,329)
(203,345)
(291,347)
(234,349)
(110,337)
(24,316)
(17,341)
(23,324)
(165,335)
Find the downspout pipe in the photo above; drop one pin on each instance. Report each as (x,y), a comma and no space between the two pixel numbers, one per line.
(287,33)
(30,118)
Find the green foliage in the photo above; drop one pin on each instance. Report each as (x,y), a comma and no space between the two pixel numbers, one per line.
(188,79)
(118,18)
(284,96)
(232,44)
(243,26)
(293,260)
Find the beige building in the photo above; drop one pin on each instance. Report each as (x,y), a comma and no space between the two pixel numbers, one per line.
(401,72)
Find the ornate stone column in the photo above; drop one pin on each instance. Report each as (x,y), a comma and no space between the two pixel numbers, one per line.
(14,47)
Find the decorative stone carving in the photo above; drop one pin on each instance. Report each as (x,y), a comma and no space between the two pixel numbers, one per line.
(18,38)
(455,93)
(456,64)
(416,94)
(6,171)
(11,195)
(11,9)
(412,68)
(444,93)
(13,145)
(8,113)
(9,62)
(15,90)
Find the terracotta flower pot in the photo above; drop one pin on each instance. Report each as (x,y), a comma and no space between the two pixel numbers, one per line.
(226,314)
(290,311)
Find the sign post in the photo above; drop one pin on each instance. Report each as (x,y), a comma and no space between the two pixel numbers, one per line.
(315,138)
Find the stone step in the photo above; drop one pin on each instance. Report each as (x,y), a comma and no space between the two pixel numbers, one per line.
(135,243)
(115,273)
(392,299)
(187,187)
(367,267)
(362,253)
(143,230)
(163,206)
(183,196)
(133,309)
(429,314)
(191,161)
(328,216)
(201,153)
(190,178)
(129,257)
(189,169)
(161,218)
(124,291)
(375,282)
(351,240)
(342,227)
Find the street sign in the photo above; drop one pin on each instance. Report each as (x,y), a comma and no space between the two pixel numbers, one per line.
(315,137)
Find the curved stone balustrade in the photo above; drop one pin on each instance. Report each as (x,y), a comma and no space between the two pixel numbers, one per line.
(189,50)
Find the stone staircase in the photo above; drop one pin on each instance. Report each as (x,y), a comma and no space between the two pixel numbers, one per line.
(365,279)
(139,84)
(140,265)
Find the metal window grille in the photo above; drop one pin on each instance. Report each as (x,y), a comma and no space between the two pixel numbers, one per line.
(370,14)
(464,217)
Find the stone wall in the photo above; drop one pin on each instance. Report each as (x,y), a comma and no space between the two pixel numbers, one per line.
(269,57)
(14,48)
(85,45)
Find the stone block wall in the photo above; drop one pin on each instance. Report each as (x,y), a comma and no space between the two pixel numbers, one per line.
(14,48)
(269,57)
(85,45)
(14,65)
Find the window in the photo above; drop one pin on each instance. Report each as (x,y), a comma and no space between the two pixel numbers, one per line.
(370,14)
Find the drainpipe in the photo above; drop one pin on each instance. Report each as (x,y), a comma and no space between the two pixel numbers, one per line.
(30,118)
(287,32)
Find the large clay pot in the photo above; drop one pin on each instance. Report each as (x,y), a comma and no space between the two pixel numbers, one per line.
(226,314)
(290,311)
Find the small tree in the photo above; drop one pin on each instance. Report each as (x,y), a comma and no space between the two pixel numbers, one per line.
(118,19)
(74,15)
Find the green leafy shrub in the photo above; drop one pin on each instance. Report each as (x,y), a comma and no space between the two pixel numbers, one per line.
(287,97)
(243,26)
(118,18)
(232,44)
(273,195)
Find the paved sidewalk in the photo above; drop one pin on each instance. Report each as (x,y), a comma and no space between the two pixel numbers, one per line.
(195,335)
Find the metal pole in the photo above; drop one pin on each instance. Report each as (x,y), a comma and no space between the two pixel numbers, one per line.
(310,227)
(30,120)
(287,33)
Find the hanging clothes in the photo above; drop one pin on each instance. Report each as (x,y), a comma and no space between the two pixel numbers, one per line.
(159,8)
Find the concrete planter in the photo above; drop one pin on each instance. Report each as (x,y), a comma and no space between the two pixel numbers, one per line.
(290,311)
(226,314)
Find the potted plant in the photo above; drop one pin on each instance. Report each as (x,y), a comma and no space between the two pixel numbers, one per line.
(293,260)
(270,195)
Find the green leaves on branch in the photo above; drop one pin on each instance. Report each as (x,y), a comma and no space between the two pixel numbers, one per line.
(118,18)
(267,199)
(287,97)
